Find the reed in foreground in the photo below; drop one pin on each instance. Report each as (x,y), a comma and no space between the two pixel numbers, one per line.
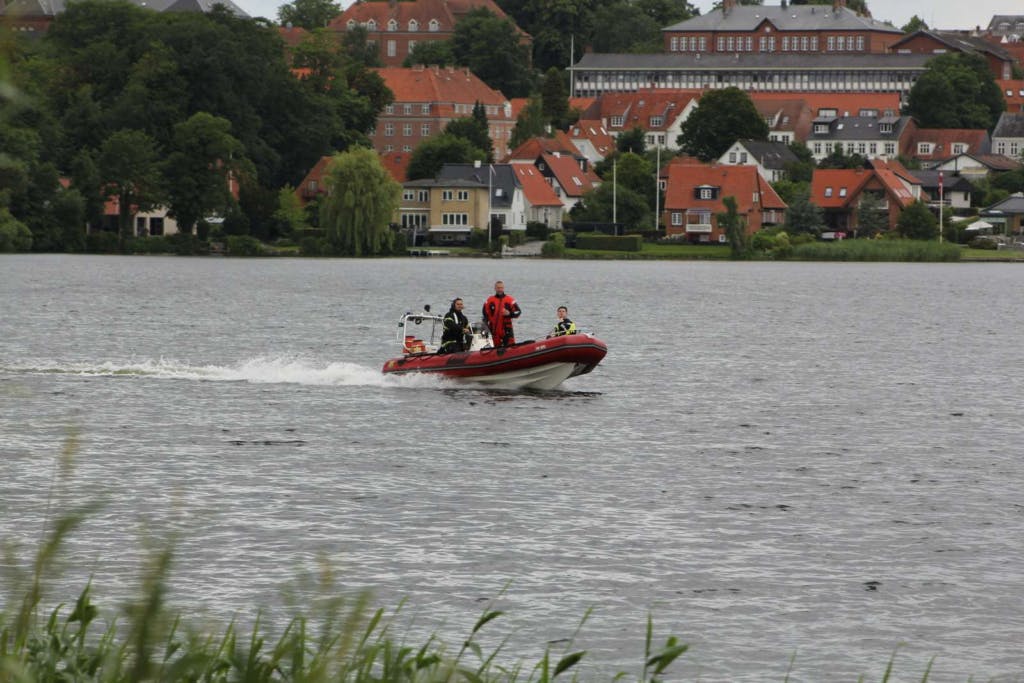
(877,250)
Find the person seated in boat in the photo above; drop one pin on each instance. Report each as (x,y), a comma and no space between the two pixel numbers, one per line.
(457,334)
(563,325)
(499,312)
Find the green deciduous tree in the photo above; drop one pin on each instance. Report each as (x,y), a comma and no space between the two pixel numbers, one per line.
(430,52)
(721,118)
(14,235)
(957,90)
(871,217)
(205,158)
(530,123)
(803,216)
(554,98)
(917,222)
(604,203)
(625,27)
(309,14)
(633,140)
(434,152)
(473,129)
(360,204)
(129,169)
(916,23)
(490,46)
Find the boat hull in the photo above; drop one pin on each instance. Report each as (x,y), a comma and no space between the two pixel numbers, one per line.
(542,364)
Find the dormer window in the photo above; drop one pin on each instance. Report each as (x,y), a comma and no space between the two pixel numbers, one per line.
(435,25)
(392,25)
(371,25)
(351,24)
(657,121)
(885,128)
(828,191)
(705,192)
(821,129)
(617,121)
(924,148)
(959,148)
(414,25)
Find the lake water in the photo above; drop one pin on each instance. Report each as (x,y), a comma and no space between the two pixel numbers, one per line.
(816,461)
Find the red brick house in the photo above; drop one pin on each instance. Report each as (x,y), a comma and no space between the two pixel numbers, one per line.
(736,28)
(940,42)
(694,194)
(839,193)
(396,27)
(428,98)
(1013,93)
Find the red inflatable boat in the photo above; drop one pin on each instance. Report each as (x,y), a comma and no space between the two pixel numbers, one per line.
(541,364)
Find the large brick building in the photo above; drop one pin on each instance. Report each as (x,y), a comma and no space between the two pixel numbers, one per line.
(799,29)
(395,28)
(427,98)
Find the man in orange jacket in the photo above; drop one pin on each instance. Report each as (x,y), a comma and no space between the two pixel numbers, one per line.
(499,311)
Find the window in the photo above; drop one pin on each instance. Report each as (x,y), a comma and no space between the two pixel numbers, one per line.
(657,121)
(804,42)
(455,219)
(959,148)
(389,148)
(731,42)
(446,195)
(389,129)
(1000,148)
(873,147)
(411,46)
(720,44)
(1014,149)
(885,128)
(435,26)
(425,129)
(156,226)
(762,44)
(424,108)
(407,108)
(406,148)
(140,225)
(820,128)
(674,44)
(706,193)
(389,109)
(890,148)
(424,196)
(463,195)
(414,25)
(817,148)
(831,43)
(392,25)
(703,44)
(860,43)
(862,148)
(617,121)
(407,129)
(743,157)
(924,148)
(677,218)
(771,43)
(392,48)
(785,43)
(757,197)
(842,191)
(693,44)
(828,191)
(732,157)
(408,195)
(371,25)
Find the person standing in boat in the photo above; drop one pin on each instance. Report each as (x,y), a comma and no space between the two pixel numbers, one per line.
(499,312)
(564,325)
(456,334)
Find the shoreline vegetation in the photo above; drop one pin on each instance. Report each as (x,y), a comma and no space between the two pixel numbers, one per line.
(853,250)
(339,637)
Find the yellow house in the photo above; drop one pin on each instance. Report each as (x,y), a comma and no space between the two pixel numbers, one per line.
(446,211)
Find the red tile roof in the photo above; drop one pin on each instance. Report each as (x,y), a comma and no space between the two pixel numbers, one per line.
(1013,93)
(977,142)
(534,147)
(595,132)
(844,102)
(292,35)
(397,164)
(446,12)
(535,187)
(834,180)
(575,181)
(637,108)
(316,176)
(442,85)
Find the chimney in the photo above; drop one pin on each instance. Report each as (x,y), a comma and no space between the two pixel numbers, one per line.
(837,4)
(728,6)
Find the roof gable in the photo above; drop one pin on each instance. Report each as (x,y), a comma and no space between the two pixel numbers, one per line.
(791,18)
(741,182)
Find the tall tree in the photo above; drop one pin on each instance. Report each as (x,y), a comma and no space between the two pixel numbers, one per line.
(871,217)
(721,118)
(474,131)
(624,26)
(360,204)
(606,202)
(530,123)
(430,52)
(308,14)
(129,165)
(204,162)
(735,228)
(633,140)
(490,46)
(554,98)
(434,152)
(804,216)
(957,90)
(916,23)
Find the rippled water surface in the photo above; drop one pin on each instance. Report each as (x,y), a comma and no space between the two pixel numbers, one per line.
(821,462)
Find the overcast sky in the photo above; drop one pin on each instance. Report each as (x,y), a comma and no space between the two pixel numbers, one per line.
(943,14)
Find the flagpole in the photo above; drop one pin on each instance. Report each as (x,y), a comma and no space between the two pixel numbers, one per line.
(657,186)
(940,207)
(615,196)
(490,169)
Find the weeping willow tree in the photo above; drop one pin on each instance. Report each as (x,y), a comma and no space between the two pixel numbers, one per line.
(360,203)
